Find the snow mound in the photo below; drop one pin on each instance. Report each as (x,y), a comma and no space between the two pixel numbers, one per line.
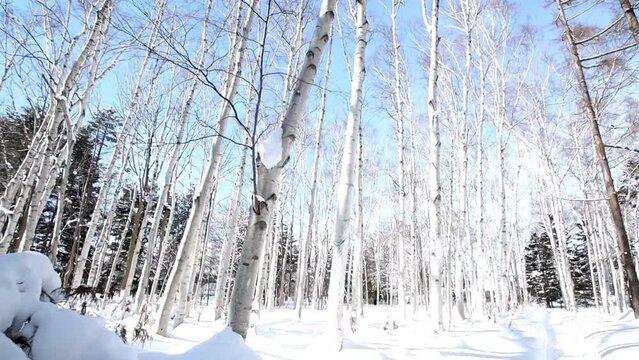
(50,332)
(61,334)
(616,341)
(53,333)
(23,278)
(270,150)
(225,345)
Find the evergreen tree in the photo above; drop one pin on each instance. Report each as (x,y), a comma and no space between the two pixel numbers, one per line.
(16,132)
(91,146)
(117,235)
(541,274)
(579,268)
(182,208)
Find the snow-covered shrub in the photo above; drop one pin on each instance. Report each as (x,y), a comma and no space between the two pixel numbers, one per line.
(61,334)
(51,333)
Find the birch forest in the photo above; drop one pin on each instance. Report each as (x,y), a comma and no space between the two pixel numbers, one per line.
(431,164)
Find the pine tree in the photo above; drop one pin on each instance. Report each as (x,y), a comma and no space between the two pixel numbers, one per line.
(579,268)
(541,274)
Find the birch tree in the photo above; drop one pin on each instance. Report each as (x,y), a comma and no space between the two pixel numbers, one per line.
(434,185)
(207,182)
(80,265)
(401,145)
(268,174)
(347,182)
(308,240)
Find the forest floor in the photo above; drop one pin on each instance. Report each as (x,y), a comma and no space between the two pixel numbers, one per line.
(534,334)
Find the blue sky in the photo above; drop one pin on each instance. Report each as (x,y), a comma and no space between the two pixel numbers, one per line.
(109,92)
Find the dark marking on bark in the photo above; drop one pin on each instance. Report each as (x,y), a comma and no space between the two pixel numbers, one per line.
(261,225)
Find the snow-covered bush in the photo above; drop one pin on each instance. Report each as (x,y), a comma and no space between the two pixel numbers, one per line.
(50,333)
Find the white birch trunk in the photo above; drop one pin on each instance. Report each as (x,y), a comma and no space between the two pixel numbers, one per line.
(356,298)
(185,115)
(165,240)
(231,235)
(116,256)
(273,259)
(346,184)
(403,193)
(269,180)
(117,152)
(96,265)
(206,183)
(434,185)
(303,267)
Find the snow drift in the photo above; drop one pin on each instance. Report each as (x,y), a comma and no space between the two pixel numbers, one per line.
(225,345)
(48,332)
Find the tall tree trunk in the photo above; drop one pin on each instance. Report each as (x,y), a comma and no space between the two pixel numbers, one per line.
(631,17)
(613,202)
(480,248)
(347,182)
(282,295)
(356,298)
(269,179)
(303,267)
(230,227)
(273,259)
(401,145)
(116,255)
(105,234)
(185,115)
(165,242)
(207,182)
(60,206)
(117,152)
(43,186)
(434,185)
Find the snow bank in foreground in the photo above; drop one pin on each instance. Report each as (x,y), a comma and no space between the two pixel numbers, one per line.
(616,340)
(225,345)
(52,333)
(66,335)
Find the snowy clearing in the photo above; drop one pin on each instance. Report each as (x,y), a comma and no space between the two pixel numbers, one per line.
(534,334)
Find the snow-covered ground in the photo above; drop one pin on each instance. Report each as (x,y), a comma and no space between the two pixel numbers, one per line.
(534,334)
(54,333)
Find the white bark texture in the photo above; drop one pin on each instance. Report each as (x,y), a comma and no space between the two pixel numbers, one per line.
(141,294)
(303,260)
(346,184)
(269,180)
(401,166)
(434,185)
(356,297)
(207,182)
(117,152)
(231,234)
